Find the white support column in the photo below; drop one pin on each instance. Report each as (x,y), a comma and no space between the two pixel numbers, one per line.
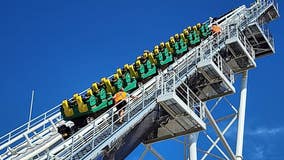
(192,146)
(241,115)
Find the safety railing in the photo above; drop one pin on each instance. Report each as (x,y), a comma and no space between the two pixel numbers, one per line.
(265,30)
(110,125)
(243,39)
(232,30)
(210,50)
(223,67)
(266,3)
(259,7)
(246,44)
(172,83)
(251,17)
(38,124)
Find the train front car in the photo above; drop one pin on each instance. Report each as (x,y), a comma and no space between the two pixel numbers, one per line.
(82,109)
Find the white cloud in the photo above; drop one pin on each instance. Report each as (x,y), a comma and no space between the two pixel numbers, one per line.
(262,131)
(261,145)
(265,131)
(259,153)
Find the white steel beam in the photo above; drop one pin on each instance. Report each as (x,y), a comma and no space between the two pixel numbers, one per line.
(241,115)
(219,133)
(214,144)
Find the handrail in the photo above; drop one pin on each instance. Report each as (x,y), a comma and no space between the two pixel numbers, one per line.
(259,7)
(4,140)
(174,84)
(17,133)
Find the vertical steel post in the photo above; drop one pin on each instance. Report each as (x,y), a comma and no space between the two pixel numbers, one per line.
(241,115)
(44,120)
(192,146)
(94,134)
(112,119)
(128,110)
(31,109)
(72,148)
(187,96)
(143,98)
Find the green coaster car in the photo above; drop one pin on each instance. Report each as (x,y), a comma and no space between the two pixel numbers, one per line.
(95,100)
(178,44)
(204,30)
(194,37)
(145,66)
(162,55)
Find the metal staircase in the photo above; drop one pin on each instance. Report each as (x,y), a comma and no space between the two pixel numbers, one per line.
(205,72)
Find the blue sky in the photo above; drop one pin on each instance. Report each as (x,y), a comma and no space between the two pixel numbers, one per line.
(59,48)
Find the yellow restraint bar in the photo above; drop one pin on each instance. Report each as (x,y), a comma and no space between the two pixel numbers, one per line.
(131,70)
(90,92)
(95,87)
(68,112)
(109,87)
(183,38)
(151,58)
(169,47)
(119,72)
(82,108)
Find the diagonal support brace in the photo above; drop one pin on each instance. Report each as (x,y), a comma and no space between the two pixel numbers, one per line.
(219,133)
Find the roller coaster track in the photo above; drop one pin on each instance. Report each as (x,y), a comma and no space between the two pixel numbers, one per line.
(177,89)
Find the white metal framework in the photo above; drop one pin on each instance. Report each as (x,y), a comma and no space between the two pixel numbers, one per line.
(206,72)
